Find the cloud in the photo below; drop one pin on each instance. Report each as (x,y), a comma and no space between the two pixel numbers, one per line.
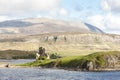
(63,12)
(97,20)
(108,23)
(113,22)
(111,5)
(60,12)
(3,18)
(32,8)
(105,6)
(27,6)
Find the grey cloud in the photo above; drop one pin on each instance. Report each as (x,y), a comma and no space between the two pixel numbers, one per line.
(111,5)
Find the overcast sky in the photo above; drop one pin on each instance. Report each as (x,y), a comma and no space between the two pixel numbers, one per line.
(105,14)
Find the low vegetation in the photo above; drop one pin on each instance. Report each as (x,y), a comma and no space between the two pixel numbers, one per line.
(54,56)
(17,54)
(99,60)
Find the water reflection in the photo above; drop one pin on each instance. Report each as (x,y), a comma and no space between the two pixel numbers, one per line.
(17,61)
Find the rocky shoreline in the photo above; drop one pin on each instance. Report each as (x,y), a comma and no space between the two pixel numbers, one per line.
(95,70)
(2,65)
(6,65)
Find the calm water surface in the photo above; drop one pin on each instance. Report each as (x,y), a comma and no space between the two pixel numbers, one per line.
(54,74)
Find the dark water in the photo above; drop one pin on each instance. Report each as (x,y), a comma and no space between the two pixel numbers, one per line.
(53,74)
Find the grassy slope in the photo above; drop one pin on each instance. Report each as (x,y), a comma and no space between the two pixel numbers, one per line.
(75,61)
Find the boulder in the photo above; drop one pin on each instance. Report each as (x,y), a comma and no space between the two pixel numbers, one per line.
(88,66)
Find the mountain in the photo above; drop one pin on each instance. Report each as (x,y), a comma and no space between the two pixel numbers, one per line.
(56,36)
(64,43)
(45,25)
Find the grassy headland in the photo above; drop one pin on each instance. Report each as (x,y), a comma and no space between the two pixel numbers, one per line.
(98,60)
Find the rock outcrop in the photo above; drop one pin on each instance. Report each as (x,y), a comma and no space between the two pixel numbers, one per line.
(88,66)
(102,61)
(4,65)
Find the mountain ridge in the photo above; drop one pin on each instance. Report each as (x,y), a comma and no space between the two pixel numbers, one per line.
(45,25)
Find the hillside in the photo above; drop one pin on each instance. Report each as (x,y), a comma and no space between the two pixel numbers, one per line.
(63,43)
(44,25)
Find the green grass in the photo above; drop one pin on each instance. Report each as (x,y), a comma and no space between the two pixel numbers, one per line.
(97,58)
(37,63)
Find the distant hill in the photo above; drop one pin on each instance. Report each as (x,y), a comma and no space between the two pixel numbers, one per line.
(69,44)
(45,25)
(56,36)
